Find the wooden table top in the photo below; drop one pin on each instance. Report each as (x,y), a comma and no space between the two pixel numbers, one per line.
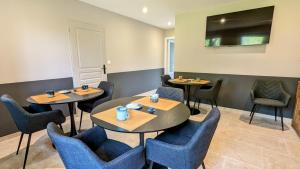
(70,97)
(189,81)
(164,119)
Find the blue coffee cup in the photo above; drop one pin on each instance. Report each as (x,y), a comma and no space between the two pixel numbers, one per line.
(122,113)
(154,98)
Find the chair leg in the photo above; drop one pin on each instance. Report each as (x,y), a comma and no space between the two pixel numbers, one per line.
(80,121)
(203,165)
(212,103)
(252,113)
(281,114)
(275,113)
(195,103)
(199,100)
(27,150)
(21,138)
(216,103)
(93,124)
(252,110)
(60,126)
(150,165)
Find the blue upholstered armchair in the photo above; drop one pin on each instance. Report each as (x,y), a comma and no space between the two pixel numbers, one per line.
(185,147)
(93,150)
(31,119)
(171,93)
(88,105)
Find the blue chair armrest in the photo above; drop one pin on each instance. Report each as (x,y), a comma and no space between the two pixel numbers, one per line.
(102,100)
(133,159)
(39,121)
(252,92)
(92,137)
(166,154)
(285,96)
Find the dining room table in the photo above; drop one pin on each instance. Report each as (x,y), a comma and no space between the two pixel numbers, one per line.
(188,83)
(167,114)
(69,97)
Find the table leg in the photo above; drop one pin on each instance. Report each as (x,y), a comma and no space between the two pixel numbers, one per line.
(188,94)
(73,126)
(142,140)
(188,89)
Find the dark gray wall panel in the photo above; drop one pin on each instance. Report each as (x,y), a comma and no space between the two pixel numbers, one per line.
(235,92)
(20,91)
(135,82)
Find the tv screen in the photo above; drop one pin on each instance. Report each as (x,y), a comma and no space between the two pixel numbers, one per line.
(250,27)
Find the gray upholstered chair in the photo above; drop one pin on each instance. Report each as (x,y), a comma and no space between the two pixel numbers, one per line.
(269,93)
(31,119)
(209,92)
(185,147)
(171,93)
(165,81)
(88,105)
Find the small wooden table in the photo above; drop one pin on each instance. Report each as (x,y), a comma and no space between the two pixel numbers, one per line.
(164,119)
(188,83)
(70,100)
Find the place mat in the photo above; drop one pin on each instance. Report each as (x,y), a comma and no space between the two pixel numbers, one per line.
(136,118)
(162,104)
(200,82)
(179,80)
(45,99)
(90,90)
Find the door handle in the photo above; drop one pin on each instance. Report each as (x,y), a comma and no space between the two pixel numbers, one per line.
(104,69)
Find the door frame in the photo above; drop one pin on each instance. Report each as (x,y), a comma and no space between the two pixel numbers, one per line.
(73,25)
(167,54)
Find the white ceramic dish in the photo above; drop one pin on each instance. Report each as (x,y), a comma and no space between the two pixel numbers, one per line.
(134,106)
(64,91)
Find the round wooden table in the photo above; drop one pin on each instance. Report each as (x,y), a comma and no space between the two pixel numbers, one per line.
(164,120)
(73,98)
(187,83)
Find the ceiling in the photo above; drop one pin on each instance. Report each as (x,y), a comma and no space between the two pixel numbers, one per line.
(160,12)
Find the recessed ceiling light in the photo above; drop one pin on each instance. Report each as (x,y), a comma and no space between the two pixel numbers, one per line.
(169,23)
(145,10)
(223,20)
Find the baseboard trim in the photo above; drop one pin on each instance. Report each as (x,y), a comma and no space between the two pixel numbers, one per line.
(257,114)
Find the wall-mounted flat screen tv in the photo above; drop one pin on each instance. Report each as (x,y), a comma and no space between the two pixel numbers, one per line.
(250,27)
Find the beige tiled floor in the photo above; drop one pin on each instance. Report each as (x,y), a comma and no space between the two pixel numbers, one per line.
(236,144)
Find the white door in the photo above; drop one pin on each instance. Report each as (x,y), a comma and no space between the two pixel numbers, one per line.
(88,54)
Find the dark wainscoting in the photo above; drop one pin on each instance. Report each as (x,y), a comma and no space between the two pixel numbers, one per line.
(135,82)
(20,91)
(235,91)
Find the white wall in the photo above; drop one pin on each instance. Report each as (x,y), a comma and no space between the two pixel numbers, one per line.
(34,39)
(280,58)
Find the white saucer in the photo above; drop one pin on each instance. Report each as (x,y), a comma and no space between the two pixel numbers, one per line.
(134,106)
(64,91)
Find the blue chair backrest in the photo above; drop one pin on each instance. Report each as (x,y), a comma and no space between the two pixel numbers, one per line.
(198,146)
(171,93)
(19,115)
(74,153)
(108,88)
